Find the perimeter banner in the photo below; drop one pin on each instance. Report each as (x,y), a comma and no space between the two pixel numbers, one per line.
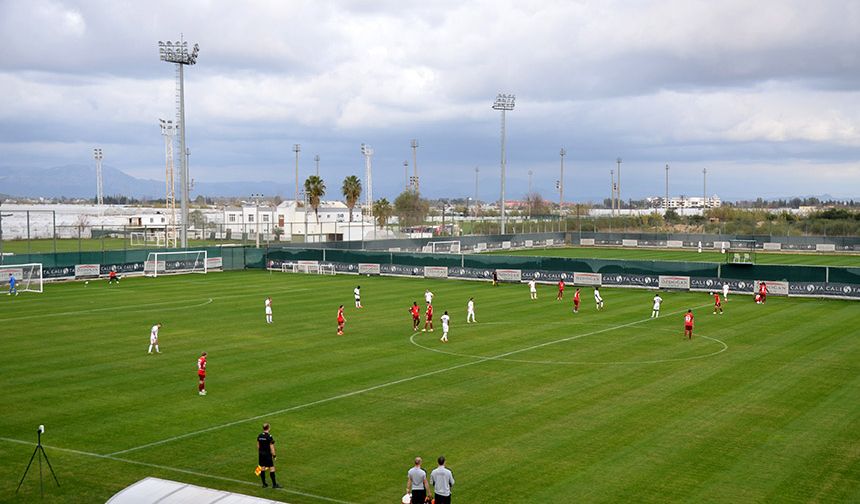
(587,278)
(368,269)
(87,270)
(773,287)
(435,272)
(674,282)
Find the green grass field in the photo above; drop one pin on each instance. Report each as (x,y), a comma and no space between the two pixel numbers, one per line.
(813,259)
(532,404)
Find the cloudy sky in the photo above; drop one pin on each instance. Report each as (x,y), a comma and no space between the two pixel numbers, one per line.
(764,94)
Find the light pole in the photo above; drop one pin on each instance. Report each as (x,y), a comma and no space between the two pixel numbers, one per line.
(406,175)
(504,102)
(168,131)
(367,152)
(666,201)
(704,189)
(256,198)
(177,52)
(561,153)
(297,148)
(414,145)
(317,162)
(98,155)
(618,192)
(477,169)
(529,197)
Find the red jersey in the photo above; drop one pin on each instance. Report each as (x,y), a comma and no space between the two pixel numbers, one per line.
(576,297)
(561,285)
(429,312)
(716,299)
(415,311)
(688,320)
(762,288)
(112,274)
(340,318)
(201,365)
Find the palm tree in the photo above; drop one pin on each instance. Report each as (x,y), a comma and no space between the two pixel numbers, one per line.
(382,210)
(315,190)
(351,191)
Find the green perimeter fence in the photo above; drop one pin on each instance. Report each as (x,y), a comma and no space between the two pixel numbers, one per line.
(237,258)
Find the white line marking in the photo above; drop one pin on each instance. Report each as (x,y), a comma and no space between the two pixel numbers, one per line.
(131,308)
(173,469)
(362,391)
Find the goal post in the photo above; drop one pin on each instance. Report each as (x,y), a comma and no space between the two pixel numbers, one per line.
(445,247)
(28,277)
(175,263)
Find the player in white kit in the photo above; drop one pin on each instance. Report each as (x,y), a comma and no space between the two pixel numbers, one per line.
(655,311)
(153,338)
(357,293)
(268,310)
(597,299)
(470,311)
(445,320)
(532,289)
(428,296)
(725,291)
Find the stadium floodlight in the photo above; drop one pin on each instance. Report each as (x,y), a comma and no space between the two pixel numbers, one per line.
(98,155)
(414,145)
(297,148)
(504,102)
(178,53)
(562,152)
(666,203)
(406,175)
(367,152)
(317,162)
(618,191)
(704,189)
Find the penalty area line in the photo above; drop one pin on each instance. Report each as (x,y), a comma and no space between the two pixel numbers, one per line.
(173,469)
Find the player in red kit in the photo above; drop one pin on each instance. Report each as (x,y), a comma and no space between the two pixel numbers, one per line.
(340,320)
(428,320)
(560,290)
(576,301)
(688,324)
(762,291)
(201,374)
(416,315)
(717,304)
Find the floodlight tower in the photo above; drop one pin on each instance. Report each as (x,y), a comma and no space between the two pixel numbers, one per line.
(704,188)
(406,175)
(177,52)
(561,153)
(367,152)
(612,192)
(168,131)
(618,192)
(666,202)
(297,148)
(477,169)
(504,102)
(414,145)
(98,155)
(317,162)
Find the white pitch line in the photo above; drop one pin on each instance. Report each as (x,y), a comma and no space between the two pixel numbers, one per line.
(130,308)
(364,390)
(173,469)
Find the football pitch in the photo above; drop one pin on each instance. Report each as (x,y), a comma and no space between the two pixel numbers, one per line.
(531,404)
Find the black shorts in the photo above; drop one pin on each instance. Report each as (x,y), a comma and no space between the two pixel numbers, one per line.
(443,499)
(265,460)
(418,496)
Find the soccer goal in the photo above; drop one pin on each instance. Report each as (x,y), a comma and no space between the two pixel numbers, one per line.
(445,247)
(28,277)
(311,267)
(741,252)
(327,269)
(142,239)
(174,263)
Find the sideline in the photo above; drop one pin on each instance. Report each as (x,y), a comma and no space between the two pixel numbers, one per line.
(174,469)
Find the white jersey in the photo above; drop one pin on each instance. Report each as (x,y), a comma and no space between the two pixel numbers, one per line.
(445,319)
(657,301)
(725,290)
(532,286)
(153,334)
(357,293)
(428,297)
(471,306)
(268,306)
(597,296)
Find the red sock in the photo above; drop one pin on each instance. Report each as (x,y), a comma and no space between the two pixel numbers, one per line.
(200,386)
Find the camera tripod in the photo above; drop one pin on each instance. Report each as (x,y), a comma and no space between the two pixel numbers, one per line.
(41,452)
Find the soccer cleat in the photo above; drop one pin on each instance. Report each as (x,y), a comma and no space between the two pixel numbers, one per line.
(275,485)
(423,330)
(265,485)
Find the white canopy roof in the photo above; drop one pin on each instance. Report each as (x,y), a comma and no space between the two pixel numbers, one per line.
(155,490)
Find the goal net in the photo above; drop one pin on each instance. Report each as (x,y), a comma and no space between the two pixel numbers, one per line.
(741,252)
(28,277)
(445,247)
(174,263)
(303,267)
(327,269)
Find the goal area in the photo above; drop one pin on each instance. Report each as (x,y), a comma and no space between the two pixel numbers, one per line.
(445,247)
(28,277)
(741,252)
(175,263)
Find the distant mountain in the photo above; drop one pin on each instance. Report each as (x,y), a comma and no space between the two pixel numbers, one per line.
(79,181)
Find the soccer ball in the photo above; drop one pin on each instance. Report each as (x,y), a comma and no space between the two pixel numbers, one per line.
(87,282)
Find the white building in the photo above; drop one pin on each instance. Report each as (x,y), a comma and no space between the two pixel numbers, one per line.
(248,220)
(679,202)
(296,222)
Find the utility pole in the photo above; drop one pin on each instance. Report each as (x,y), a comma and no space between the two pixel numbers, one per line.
(406,175)
(317,161)
(666,201)
(414,145)
(529,197)
(477,169)
(612,192)
(704,189)
(561,153)
(620,201)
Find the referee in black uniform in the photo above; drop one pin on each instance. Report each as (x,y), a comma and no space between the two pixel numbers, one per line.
(266,455)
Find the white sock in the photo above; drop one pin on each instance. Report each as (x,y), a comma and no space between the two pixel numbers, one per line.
(157,350)
(150,349)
